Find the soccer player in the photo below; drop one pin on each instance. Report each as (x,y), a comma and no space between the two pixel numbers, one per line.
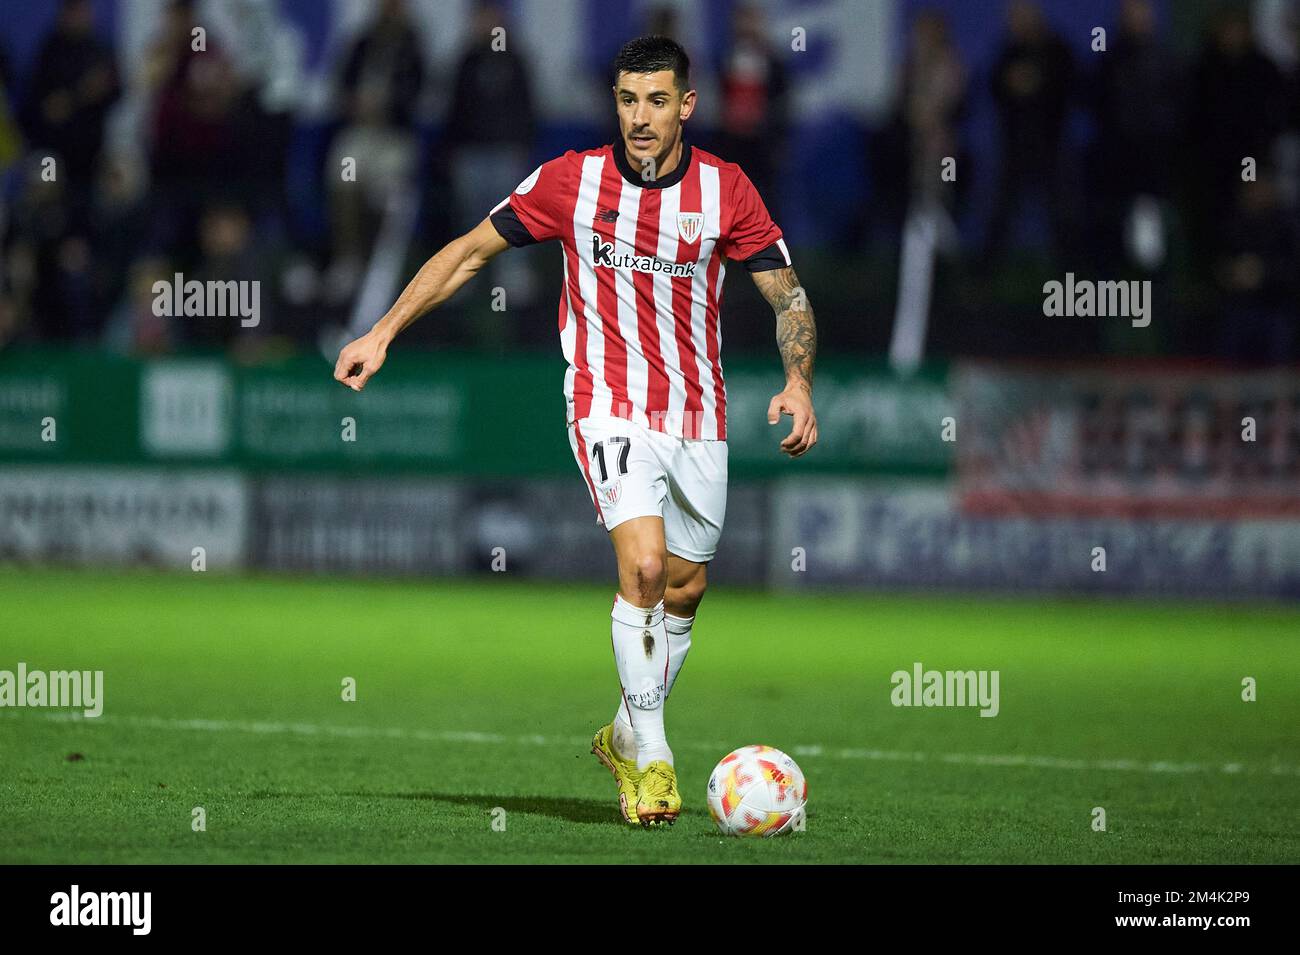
(644,226)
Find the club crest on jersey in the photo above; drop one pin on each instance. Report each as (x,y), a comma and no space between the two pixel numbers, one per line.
(603,255)
(689,225)
(612,492)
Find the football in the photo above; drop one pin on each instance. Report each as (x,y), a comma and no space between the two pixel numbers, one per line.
(757,791)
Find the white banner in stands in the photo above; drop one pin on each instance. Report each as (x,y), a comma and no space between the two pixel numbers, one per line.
(124,516)
(888,535)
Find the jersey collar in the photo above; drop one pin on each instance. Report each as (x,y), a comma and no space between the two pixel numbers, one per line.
(663,182)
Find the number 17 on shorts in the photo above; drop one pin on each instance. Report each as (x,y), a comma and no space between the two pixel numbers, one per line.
(632,471)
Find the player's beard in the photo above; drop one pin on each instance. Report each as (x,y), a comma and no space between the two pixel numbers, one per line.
(660,157)
(635,148)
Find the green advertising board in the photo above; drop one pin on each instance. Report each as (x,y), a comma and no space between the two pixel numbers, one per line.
(432,412)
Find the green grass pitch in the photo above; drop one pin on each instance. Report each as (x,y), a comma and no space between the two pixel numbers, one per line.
(225,693)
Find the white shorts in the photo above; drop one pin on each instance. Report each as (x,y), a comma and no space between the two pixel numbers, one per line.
(632,471)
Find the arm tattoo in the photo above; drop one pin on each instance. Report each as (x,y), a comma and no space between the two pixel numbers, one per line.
(796,331)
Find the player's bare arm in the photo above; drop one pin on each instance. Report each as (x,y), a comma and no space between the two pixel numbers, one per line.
(796,337)
(438,280)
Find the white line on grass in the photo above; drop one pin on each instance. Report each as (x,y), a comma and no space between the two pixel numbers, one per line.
(533,739)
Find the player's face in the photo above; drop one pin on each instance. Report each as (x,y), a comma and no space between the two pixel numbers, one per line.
(651,110)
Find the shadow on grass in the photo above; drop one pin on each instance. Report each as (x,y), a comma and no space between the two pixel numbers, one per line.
(573,810)
(586,811)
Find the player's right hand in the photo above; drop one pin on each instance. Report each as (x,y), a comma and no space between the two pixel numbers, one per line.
(795,401)
(359,360)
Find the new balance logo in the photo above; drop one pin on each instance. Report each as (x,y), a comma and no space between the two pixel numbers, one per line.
(602,256)
(607,215)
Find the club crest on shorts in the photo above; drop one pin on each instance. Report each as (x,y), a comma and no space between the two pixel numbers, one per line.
(689,225)
(612,492)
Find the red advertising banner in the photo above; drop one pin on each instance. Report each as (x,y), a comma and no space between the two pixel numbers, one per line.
(1127,441)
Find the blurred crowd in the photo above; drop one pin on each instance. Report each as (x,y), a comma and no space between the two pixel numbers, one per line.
(1158,191)
(88,229)
(1187,175)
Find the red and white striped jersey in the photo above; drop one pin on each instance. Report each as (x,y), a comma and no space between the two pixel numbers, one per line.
(643,271)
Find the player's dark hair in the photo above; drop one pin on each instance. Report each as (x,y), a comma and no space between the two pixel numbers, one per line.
(650,54)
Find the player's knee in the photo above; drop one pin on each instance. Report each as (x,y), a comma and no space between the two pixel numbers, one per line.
(649,577)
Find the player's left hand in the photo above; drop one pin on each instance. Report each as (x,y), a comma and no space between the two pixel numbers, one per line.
(795,401)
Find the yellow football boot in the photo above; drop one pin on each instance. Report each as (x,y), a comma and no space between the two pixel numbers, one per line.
(657,799)
(625,772)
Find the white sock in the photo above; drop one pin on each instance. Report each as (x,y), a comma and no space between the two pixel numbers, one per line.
(642,654)
(679,644)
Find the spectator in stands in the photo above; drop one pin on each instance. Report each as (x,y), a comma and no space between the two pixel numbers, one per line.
(753,91)
(379,88)
(7,82)
(1032,85)
(205,123)
(930,103)
(72,87)
(490,131)
(171,46)
(11,143)
(120,224)
(1238,109)
(1256,272)
(136,327)
(491,123)
(49,262)
(229,250)
(1138,104)
(10,136)
(922,135)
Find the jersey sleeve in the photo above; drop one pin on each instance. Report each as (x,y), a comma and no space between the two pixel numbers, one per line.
(535,210)
(753,238)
